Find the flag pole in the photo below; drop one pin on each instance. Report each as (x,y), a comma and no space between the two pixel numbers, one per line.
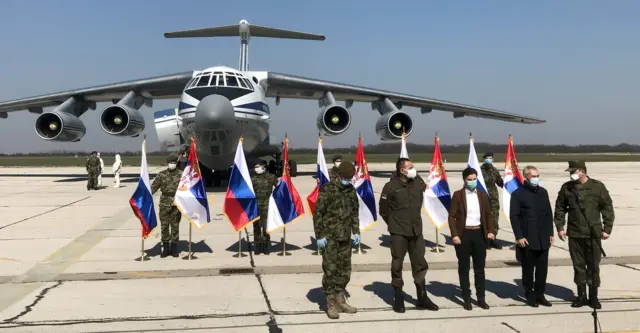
(190,256)
(239,254)
(437,248)
(143,256)
(284,252)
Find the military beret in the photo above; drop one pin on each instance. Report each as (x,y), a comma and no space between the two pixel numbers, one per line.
(337,157)
(346,170)
(172,158)
(487,155)
(576,164)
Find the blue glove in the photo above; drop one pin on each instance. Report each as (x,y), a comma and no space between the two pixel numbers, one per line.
(356,239)
(321,243)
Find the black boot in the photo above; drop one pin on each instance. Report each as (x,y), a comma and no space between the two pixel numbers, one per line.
(467,302)
(166,247)
(265,247)
(593,298)
(398,300)
(174,249)
(582,297)
(423,300)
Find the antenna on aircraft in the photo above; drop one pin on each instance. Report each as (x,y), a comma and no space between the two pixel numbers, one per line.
(245,31)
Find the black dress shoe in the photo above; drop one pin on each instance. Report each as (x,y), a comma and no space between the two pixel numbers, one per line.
(483,304)
(532,302)
(467,304)
(543,301)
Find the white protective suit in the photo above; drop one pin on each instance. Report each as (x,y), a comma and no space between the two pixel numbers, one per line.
(117,166)
(101,170)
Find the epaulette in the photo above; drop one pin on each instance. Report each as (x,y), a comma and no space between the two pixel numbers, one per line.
(596,181)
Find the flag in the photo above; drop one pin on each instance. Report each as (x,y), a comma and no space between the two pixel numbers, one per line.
(142,200)
(473,163)
(322,176)
(191,198)
(240,205)
(362,182)
(403,148)
(285,204)
(437,197)
(512,178)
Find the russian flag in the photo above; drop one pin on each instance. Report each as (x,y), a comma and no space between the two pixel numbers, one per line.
(142,201)
(240,205)
(285,204)
(191,197)
(512,178)
(322,176)
(362,182)
(403,148)
(437,197)
(473,163)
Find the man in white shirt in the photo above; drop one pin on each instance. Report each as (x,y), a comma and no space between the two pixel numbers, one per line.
(471,225)
(101,170)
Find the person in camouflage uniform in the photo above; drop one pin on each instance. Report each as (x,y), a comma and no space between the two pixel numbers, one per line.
(93,170)
(263,183)
(583,200)
(334,220)
(334,176)
(167,181)
(491,179)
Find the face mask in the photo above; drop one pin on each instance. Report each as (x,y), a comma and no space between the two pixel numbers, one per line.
(259,170)
(488,160)
(471,184)
(411,173)
(534,181)
(345,182)
(337,164)
(172,166)
(575,176)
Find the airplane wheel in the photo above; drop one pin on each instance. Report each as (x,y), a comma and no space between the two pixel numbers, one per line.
(293,168)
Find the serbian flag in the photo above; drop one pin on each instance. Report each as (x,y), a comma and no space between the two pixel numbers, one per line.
(473,163)
(191,198)
(285,204)
(142,201)
(322,177)
(437,197)
(240,205)
(362,183)
(403,148)
(512,178)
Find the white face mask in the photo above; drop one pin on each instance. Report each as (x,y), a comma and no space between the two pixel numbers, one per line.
(172,166)
(337,164)
(259,170)
(411,173)
(575,176)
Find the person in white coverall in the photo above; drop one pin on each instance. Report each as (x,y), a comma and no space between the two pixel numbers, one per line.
(100,172)
(117,166)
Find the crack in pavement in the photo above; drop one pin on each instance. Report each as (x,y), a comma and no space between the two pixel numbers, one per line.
(30,307)
(629,267)
(47,212)
(509,326)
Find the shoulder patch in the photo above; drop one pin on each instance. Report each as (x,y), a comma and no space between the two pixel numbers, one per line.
(383,196)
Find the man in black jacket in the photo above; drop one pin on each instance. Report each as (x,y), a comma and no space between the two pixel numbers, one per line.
(532,224)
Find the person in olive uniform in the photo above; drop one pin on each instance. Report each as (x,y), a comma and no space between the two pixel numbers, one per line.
(491,179)
(334,220)
(400,206)
(333,173)
(584,199)
(167,181)
(263,183)
(93,170)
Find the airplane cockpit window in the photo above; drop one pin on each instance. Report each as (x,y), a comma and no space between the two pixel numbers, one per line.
(204,80)
(231,81)
(242,83)
(195,82)
(220,82)
(249,85)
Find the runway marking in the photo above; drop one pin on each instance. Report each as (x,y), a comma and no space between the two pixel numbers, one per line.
(47,212)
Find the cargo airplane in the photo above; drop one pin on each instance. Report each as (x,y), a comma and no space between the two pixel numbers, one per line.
(217,105)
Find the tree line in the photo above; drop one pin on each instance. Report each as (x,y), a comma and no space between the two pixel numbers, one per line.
(394,148)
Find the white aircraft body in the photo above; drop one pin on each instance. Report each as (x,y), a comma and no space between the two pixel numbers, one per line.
(220,104)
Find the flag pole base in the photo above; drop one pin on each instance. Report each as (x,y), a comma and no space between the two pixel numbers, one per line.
(143,258)
(359,250)
(284,252)
(239,254)
(189,256)
(316,253)
(437,248)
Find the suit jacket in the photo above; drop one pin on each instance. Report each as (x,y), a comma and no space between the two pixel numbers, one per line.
(531,216)
(458,213)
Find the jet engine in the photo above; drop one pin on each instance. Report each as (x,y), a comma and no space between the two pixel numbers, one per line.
(333,120)
(60,126)
(124,119)
(390,125)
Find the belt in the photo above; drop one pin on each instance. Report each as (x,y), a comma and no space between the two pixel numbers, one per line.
(472,228)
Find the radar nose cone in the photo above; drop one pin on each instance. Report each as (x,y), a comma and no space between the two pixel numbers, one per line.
(244,22)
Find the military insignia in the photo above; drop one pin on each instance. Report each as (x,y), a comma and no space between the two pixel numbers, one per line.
(383,196)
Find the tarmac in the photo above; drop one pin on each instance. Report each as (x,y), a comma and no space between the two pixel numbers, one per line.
(68,264)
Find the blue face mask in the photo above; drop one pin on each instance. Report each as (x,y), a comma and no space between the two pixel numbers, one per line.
(345,182)
(471,184)
(534,181)
(488,160)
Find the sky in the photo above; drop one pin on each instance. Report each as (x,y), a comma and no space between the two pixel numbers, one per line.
(573,63)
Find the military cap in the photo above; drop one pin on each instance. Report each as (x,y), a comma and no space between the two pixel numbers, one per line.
(172,158)
(487,155)
(576,164)
(337,157)
(346,170)
(94,152)
(261,162)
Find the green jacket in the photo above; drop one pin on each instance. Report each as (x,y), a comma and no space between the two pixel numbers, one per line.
(336,216)
(400,206)
(263,186)
(93,164)
(595,201)
(492,178)
(333,175)
(167,181)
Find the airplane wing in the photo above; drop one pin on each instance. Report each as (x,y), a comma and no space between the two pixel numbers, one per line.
(159,87)
(289,86)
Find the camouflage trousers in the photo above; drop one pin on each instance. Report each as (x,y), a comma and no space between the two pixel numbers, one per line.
(336,264)
(92,181)
(583,251)
(495,213)
(169,223)
(260,226)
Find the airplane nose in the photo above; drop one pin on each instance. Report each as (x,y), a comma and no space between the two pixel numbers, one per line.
(215,112)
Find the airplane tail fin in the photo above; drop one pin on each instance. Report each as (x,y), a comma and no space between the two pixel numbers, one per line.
(237,29)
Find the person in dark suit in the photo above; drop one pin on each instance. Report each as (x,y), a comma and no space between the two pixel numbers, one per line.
(532,224)
(471,225)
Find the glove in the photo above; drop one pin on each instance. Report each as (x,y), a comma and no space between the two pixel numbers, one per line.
(321,243)
(356,239)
